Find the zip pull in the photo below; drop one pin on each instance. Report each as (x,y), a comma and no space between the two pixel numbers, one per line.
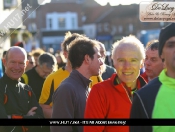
(5,95)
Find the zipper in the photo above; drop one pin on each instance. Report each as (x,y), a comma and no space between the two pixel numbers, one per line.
(127,94)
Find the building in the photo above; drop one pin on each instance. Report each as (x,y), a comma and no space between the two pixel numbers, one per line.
(10,22)
(54,19)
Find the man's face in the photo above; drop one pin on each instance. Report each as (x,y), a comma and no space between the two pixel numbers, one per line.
(31,63)
(168,54)
(95,63)
(103,52)
(127,62)
(153,63)
(15,64)
(44,71)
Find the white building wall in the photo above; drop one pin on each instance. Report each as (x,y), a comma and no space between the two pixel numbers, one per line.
(53,40)
(68,20)
(90,30)
(9,23)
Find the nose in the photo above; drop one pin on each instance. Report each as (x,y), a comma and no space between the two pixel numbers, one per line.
(127,64)
(17,66)
(147,62)
(101,62)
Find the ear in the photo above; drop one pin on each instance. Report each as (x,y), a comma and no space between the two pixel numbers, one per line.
(87,59)
(4,62)
(142,64)
(65,53)
(161,56)
(27,62)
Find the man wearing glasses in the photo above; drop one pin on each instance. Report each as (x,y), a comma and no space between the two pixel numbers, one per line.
(35,77)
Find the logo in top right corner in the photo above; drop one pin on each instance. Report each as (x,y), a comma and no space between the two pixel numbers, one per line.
(157,11)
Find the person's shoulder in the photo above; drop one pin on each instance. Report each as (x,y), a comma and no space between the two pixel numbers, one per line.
(65,87)
(152,86)
(2,84)
(102,85)
(25,86)
(110,68)
(1,80)
(51,76)
(60,72)
(30,70)
(30,73)
(67,83)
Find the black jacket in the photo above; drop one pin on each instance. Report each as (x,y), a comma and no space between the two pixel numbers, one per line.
(34,81)
(17,98)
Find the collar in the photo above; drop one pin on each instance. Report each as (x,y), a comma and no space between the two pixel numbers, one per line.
(166,80)
(145,76)
(9,80)
(80,78)
(140,82)
(120,86)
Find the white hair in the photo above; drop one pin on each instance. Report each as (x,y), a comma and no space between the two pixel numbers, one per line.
(129,40)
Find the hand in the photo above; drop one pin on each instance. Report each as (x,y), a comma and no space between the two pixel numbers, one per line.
(32,111)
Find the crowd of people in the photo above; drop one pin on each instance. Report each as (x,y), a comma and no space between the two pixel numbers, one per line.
(78,84)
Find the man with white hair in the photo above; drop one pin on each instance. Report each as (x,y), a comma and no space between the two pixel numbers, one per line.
(112,98)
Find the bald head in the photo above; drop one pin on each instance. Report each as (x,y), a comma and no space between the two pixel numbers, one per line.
(17,50)
(15,62)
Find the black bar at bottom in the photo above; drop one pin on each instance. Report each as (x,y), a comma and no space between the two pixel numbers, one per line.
(87,122)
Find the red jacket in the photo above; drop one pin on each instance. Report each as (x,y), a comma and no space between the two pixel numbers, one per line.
(145,76)
(108,99)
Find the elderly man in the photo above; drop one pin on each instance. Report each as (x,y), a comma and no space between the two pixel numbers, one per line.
(156,100)
(112,98)
(36,76)
(17,100)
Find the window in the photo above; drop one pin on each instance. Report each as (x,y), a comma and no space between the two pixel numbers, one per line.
(113,30)
(50,23)
(10,3)
(120,29)
(61,23)
(91,31)
(130,27)
(106,27)
(32,27)
(99,28)
(73,22)
(32,14)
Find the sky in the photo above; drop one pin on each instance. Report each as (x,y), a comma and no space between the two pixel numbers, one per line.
(104,2)
(117,2)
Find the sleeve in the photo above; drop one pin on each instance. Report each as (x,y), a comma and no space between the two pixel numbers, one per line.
(95,108)
(3,114)
(137,112)
(46,95)
(63,106)
(33,103)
